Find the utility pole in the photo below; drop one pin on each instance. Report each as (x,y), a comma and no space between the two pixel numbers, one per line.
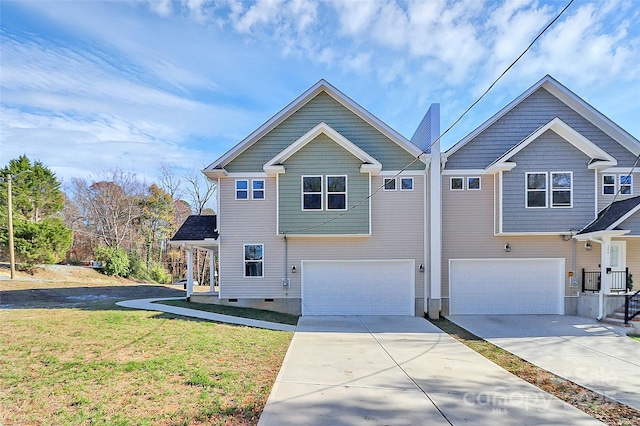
(12,255)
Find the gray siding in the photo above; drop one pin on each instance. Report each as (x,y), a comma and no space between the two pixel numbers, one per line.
(323,156)
(633,224)
(532,113)
(323,108)
(548,153)
(605,200)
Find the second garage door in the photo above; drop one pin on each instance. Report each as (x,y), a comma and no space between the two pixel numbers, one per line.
(380,287)
(506,286)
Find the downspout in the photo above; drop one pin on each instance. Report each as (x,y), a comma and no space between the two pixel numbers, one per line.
(285,281)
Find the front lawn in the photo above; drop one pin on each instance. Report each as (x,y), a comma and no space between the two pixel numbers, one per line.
(122,367)
(233,311)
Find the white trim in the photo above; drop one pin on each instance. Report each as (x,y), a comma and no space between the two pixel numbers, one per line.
(369,203)
(275,164)
(451,188)
(235,189)
(500,200)
(572,101)
(244,271)
(328,235)
(567,133)
(299,102)
(560,190)
(457,172)
(524,234)
(384,184)
(623,170)
(526,190)
(479,188)
(402,172)
(346,192)
(591,236)
(277,227)
(630,185)
(409,178)
(615,184)
(302,193)
(264,189)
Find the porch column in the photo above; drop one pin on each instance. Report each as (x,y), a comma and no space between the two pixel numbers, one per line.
(605,263)
(189,270)
(212,271)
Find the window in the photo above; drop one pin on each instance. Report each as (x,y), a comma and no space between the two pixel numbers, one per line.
(257,189)
(457,184)
(253,259)
(390,184)
(626,184)
(336,192)
(536,190)
(311,192)
(608,185)
(406,184)
(473,183)
(561,189)
(242,190)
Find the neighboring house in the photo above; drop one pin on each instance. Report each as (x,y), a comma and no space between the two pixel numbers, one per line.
(321,210)
(526,201)
(324,209)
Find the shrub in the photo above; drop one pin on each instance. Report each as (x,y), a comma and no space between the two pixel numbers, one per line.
(115,261)
(138,268)
(159,274)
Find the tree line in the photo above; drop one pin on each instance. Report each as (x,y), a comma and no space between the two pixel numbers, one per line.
(113,218)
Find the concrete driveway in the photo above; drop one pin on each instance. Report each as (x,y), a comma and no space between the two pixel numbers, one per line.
(597,356)
(399,371)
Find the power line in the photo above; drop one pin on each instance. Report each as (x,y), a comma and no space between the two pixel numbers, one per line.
(446,131)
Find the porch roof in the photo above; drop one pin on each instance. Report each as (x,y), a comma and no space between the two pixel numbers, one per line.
(197,230)
(611,216)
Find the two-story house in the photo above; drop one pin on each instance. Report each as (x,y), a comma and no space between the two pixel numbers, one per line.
(324,209)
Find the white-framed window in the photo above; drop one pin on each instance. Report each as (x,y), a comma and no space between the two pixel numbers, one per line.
(253,260)
(257,189)
(406,184)
(389,184)
(473,183)
(242,189)
(536,190)
(626,184)
(612,184)
(336,192)
(457,184)
(311,192)
(609,184)
(561,189)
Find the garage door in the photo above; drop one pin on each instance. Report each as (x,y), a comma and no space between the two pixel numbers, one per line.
(506,286)
(381,287)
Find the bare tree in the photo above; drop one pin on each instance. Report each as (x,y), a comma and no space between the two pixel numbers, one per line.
(169,181)
(200,190)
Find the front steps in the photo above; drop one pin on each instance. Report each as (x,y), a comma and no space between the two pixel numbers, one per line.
(617,318)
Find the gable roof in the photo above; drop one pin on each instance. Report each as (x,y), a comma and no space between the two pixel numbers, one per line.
(599,157)
(299,102)
(197,228)
(570,99)
(275,166)
(613,215)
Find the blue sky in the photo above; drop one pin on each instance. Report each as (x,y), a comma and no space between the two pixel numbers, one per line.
(90,86)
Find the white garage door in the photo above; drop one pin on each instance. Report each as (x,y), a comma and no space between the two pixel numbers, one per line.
(381,287)
(506,286)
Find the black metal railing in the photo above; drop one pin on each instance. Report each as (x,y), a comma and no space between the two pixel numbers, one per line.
(631,306)
(619,280)
(590,281)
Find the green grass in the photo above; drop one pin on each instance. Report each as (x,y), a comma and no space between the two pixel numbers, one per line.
(256,314)
(121,367)
(635,337)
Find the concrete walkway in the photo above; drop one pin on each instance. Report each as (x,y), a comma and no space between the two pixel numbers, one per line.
(149,305)
(597,356)
(400,371)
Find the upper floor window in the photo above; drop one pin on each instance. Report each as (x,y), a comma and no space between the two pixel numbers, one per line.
(561,189)
(257,189)
(457,184)
(536,190)
(390,184)
(253,260)
(242,189)
(336,192)
(406,184)
(473,183)
(311,192)
(613,184)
